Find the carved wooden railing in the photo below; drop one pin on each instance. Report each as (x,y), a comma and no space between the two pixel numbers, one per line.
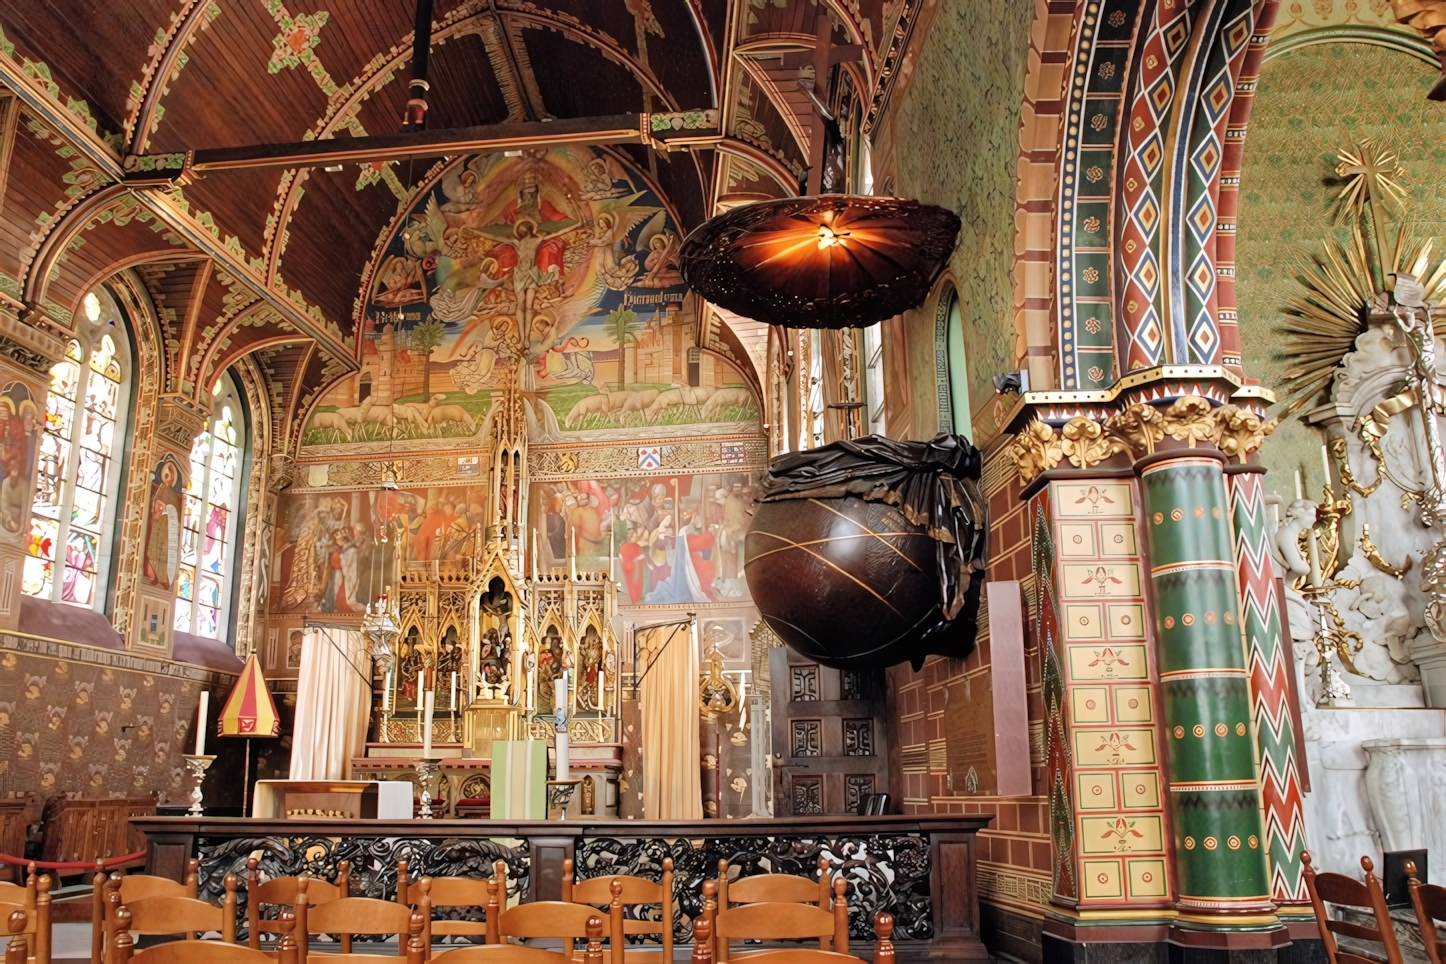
(918,868)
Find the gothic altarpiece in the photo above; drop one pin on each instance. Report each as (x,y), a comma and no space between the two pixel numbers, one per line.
(492,633)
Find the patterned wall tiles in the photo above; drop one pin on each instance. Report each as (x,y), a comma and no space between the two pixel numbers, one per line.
(1119,821)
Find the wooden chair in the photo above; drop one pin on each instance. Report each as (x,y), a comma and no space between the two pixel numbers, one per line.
(22,894)
(131,887)
(1430,903)
(450,892)
(1340,889)
(541,918)
(625,890)
(122,949)
(28,925)
(703,943)
(777,921)
(283,891)
(349,916)
(167,915)
(776,888)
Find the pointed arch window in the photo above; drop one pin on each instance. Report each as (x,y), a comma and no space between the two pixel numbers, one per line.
(208,533)
(73,516)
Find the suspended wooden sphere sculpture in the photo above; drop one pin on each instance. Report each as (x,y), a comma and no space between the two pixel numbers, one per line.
(870,552)
(834,261)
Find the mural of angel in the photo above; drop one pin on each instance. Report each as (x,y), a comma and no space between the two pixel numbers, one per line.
(400,281)
(661,264)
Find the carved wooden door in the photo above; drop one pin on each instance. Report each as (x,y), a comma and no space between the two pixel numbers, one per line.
(828,736)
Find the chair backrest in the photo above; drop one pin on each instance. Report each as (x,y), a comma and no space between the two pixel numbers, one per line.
(626,890)
(122,949)
(775,888)
(22,894)
(704,941)
(503,953)
(543,918)
(774,922)
(454,891)
(357,915)
(1429,900)
(134,887)
(182,915)
(34,922)
(835,938)
(405,883)
(1340,889)
(283,891)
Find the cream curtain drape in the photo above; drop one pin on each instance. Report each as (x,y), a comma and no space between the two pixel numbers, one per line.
(672,779)
(333,703)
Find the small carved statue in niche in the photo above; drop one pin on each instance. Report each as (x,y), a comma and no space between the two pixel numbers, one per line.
(590,656)
(409,670)
(589,795)
(551,662)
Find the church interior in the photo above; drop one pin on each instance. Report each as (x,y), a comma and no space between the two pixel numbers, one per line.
(567,480)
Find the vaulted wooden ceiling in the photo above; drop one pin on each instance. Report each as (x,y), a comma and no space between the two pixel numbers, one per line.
(246,260)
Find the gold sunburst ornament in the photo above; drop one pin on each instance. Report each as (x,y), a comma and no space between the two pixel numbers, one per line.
(1340,283)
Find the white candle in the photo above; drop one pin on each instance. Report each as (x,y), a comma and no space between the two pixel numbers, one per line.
(602,690)
(387,693)
(1299,487)
(201,722)
(454,693)
(1325,461)
(427,702)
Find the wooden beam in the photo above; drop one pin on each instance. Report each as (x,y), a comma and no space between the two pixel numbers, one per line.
(611,129)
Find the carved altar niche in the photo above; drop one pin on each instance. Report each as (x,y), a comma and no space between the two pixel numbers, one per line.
(1388,610)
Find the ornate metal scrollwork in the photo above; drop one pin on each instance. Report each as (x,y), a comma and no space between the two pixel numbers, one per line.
(373,863)
(885,872)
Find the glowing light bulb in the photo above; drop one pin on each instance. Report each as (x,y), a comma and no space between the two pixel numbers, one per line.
(826,237)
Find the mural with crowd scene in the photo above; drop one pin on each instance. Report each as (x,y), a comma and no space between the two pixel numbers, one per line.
(553,273)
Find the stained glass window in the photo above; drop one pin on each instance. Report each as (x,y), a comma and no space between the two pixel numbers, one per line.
(208,533)
(72,517)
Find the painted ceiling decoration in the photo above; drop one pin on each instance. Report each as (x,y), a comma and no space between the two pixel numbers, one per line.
(247,158)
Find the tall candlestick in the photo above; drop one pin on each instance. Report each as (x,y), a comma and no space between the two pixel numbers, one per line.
(427,702)
(1313,551)
(572,558)
(534,552)
(201,722)
(602,690)
(387,693)
(559,707)
(453,704)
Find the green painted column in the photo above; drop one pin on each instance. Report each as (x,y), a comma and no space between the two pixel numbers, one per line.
(1214,795)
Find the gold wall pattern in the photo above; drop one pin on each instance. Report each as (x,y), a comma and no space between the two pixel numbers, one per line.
(145,382)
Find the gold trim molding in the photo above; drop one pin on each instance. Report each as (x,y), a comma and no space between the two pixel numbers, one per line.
(1135,432)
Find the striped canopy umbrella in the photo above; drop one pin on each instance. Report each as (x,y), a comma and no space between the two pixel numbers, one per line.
(249,710)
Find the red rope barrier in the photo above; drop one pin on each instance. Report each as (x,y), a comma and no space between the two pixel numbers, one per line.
(70,865)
